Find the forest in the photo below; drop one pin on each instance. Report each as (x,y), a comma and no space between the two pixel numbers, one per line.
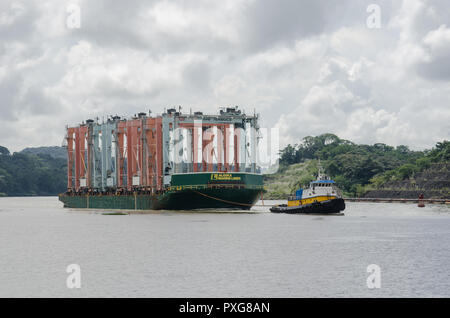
(355,166)
(26,174)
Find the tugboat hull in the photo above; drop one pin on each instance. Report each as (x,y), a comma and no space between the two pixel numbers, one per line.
(324,207)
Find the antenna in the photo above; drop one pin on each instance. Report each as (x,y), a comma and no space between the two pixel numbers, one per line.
(319,173)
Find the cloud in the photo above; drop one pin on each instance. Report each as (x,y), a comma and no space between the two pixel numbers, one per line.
(435,63)
(308,67)
(271,22)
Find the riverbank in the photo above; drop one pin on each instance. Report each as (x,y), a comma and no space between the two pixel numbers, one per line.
(399,200)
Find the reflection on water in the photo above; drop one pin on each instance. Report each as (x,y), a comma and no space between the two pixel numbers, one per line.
(257,254)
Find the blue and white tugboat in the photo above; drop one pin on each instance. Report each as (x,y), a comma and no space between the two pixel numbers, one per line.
(322,197)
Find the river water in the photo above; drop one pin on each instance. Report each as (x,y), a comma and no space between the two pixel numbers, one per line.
(257,254)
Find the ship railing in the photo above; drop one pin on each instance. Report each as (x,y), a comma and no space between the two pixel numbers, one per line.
(215,186)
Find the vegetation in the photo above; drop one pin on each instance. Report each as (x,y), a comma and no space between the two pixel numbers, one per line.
(289,178)
(55,151)
(28,174)
(356,168)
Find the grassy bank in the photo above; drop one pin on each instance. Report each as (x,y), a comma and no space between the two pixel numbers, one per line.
(288,179)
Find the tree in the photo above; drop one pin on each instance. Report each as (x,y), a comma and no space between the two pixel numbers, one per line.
(288,155)
(4,151)
(25,174)
(403,149)
(406,171)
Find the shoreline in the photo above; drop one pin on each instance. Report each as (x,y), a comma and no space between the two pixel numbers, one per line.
(398,200)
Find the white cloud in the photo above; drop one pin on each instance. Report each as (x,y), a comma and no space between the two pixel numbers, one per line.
(9,16)
(438,41)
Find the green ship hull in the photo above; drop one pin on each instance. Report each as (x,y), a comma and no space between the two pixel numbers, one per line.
(187,192)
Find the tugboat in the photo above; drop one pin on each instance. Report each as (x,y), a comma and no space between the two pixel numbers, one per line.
(322,197)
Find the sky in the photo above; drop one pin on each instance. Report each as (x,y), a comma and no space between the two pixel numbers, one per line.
(368,71)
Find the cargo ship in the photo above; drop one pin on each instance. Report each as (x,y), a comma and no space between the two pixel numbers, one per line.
(172,161)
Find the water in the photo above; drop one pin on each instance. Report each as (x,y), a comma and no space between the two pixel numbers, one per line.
(172,254)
